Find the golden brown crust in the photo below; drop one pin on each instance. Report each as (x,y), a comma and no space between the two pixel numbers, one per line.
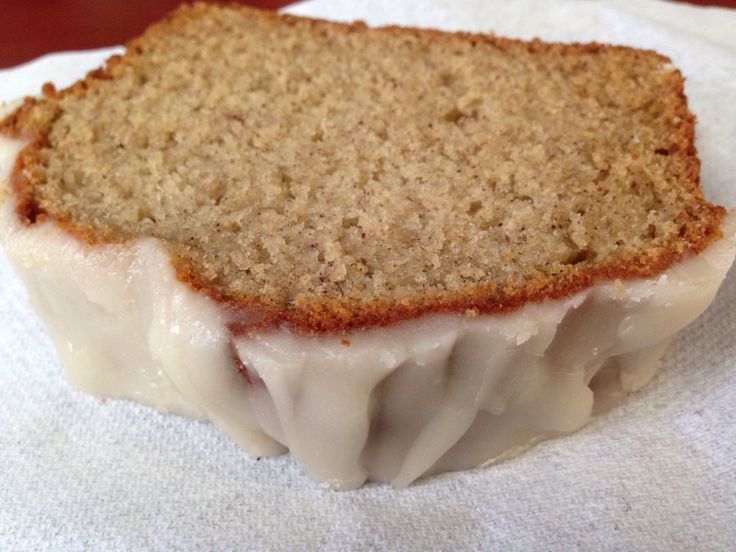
(699,225)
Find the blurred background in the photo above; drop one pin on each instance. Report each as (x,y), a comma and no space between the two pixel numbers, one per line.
(31,28)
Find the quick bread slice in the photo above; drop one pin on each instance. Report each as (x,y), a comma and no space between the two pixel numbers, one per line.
(422,249)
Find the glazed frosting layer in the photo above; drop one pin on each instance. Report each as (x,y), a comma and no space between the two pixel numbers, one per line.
(439,393)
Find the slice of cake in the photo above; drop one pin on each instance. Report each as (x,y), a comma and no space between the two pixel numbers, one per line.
(392,251)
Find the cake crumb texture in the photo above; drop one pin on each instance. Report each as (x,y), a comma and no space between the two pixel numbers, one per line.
(340,176)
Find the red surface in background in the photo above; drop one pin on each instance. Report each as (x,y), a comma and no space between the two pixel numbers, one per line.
(30,28)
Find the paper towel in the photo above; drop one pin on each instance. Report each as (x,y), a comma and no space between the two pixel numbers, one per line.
(658,473)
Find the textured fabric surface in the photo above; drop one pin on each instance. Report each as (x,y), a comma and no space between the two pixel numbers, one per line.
(658,473)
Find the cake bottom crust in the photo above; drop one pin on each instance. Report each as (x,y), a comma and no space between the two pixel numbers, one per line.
(439,393)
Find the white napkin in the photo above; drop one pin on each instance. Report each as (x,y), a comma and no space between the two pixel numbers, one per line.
(658,473)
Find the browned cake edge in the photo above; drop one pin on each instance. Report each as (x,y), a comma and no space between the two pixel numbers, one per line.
(699,224)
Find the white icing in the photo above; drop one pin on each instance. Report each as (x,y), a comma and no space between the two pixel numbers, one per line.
(442,392)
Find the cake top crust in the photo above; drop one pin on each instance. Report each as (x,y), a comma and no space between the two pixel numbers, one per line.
(331,177)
